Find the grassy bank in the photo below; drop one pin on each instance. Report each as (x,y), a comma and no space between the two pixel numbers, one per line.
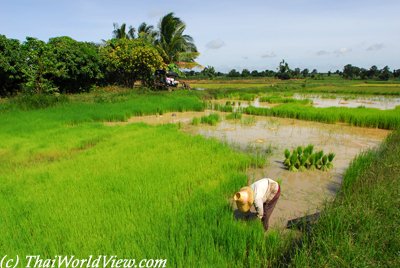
(362,117)
(73,186)
(361,227)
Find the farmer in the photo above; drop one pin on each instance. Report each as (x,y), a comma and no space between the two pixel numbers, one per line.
(263,194)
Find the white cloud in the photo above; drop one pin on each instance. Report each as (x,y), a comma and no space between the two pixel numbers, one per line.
(342,51)
(322,53)
(269,55)
(215,44)
(375,47)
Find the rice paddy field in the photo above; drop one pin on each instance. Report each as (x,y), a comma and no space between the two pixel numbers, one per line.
(74,183)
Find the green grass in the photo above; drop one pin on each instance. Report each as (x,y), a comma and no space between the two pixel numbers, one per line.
(280,99)
(362,117)
(361,227)
(72,186)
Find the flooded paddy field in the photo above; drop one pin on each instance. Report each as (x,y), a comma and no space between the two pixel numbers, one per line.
(302,192)
(378,102)
(322,101)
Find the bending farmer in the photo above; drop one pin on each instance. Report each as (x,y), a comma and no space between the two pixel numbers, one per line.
(263,194)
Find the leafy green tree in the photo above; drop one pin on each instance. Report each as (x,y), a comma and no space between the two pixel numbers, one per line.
(296,72)
(385,74)
(255,73)
(350,71)
(284,71)
(314,73)
(77,64)
(373,72)
(245,73)
(12,63)
(40,68)
(127,61)
(396,73)
(305,73)
(173,45)
(120,32)
(209,71)
(233,73)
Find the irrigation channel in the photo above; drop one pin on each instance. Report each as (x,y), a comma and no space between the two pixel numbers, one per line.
(302,192)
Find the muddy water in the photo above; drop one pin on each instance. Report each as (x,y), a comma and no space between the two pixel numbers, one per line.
(378,102)
(302,192)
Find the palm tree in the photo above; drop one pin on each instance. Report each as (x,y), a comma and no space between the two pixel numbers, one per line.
(120,32)
(147,32)
(173,45)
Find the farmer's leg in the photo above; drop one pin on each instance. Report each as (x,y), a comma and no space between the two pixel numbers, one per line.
(268,208)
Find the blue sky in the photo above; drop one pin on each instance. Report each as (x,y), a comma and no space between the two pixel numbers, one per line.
(324,34)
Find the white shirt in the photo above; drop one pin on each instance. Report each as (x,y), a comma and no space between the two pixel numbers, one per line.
(264,191)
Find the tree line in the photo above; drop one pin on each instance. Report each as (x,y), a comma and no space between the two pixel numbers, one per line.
(68,66)
(284,72)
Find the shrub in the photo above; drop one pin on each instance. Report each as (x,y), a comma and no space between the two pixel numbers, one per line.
(38,101)
(127,61)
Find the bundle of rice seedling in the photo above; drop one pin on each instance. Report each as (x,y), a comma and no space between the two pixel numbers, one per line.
(303,158)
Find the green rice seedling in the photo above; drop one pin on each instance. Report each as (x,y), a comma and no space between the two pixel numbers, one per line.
(299,151)
(286,162)
(248,120)
(324,162)
(309,149)
(211,119)
(331,156)
(303,158)
(303,163)
(294,162)
(234,115)
(195,121)
(313,162)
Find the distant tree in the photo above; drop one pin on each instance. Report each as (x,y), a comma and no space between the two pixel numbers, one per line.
(396,73)
(284,71)
(385,74)
(120,32)
(350,71)
(296,72)
(363,73)
(255,73)
(245,73)
(233,73)
(209,71)
(373,72)
(305,73)
(12,63)
(329,73)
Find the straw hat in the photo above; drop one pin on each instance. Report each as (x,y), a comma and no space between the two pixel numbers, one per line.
(244,198)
